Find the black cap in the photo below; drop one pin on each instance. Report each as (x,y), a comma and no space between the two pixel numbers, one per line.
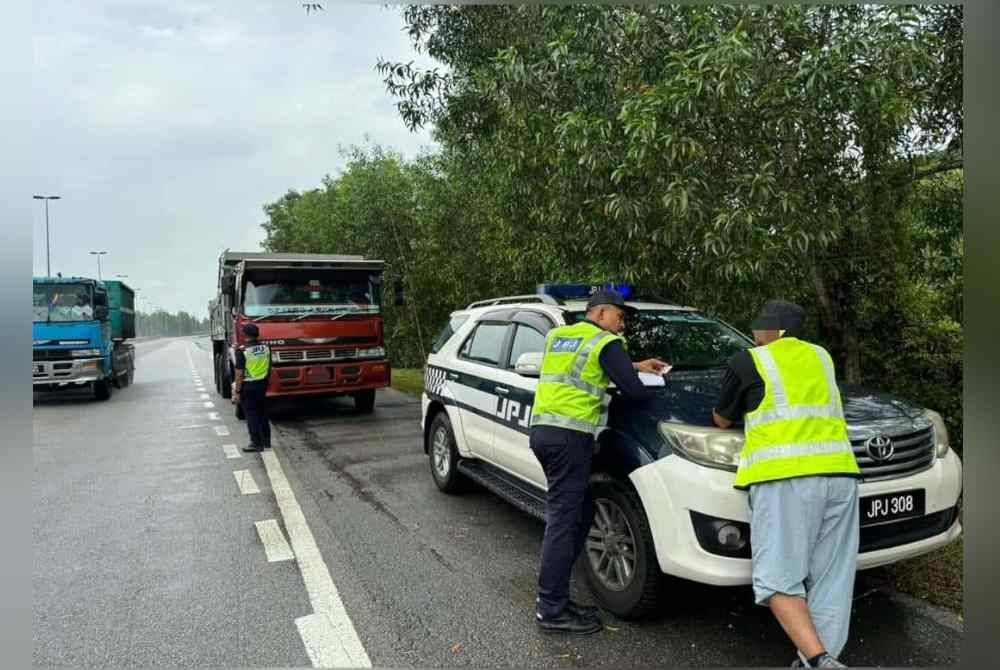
(251,330)
(609,297)
(780,315)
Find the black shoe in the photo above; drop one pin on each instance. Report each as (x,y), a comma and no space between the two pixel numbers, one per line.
(568,623)
(251,448)
(584,611)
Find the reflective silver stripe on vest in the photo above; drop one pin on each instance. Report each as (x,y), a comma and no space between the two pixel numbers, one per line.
(783,412)
(773,377)
(831,378)
(561,422)
(792,450)
(796,412)
(595,391)
(584,352)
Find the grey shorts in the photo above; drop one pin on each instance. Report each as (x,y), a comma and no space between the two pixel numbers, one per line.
(804,534)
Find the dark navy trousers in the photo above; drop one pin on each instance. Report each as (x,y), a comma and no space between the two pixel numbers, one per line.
(253,398)
(566,456)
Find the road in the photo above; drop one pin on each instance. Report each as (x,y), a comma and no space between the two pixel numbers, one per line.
(335,549)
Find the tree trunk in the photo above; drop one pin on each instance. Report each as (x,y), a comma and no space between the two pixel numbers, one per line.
(836,328)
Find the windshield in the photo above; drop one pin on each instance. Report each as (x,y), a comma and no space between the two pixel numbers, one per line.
(272,293)
(683,339)
(62,302)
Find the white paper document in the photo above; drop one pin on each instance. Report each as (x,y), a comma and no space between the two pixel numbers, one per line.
(650,379)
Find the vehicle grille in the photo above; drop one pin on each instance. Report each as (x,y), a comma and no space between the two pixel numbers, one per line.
(314,355)
(912,452)
(51,355)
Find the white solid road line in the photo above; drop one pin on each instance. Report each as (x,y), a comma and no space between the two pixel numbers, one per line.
(221,430)
(231,451)
(245,481)
(275,547)
(328,634)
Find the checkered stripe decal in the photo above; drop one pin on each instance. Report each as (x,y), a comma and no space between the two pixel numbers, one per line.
(434,380)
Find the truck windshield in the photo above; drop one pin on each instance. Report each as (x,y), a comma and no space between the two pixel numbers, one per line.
(62,302)
(686,340)
(271,293)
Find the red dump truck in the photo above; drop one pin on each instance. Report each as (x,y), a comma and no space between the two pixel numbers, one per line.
(320,314)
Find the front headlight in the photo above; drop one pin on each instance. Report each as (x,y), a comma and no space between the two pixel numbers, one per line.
(941,439)
(85,353)
(377,352)
(715,447)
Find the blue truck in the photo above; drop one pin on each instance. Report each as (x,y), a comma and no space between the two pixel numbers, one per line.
(79,335)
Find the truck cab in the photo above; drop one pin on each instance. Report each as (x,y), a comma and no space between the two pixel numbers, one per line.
(79,328)
(320,315)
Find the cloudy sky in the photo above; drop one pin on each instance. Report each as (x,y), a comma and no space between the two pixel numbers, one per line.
(165,125)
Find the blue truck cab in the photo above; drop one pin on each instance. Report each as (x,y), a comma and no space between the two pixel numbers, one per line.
(79,332)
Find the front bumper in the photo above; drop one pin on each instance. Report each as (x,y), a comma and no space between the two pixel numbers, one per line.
(325,379)
(69,372)
(672,488)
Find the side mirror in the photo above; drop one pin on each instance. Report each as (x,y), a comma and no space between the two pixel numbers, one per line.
(397,287)
(529,364)
(101,312)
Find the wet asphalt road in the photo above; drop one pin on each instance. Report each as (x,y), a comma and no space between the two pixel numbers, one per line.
(146,552)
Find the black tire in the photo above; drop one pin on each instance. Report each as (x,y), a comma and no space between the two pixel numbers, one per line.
(102,389)
(364,401)
(635,596)
(215,373)
(443,455)
(227,382)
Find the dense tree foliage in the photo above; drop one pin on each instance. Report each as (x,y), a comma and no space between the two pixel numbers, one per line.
(167,324)
(716,155)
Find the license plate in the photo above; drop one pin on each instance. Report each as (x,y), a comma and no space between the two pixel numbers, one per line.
(317,375)
(39,369)
(892,506)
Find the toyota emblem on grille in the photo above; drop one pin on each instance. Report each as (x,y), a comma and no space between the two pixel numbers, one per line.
(880,448)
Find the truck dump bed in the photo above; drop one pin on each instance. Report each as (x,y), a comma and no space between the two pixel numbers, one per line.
(121,305)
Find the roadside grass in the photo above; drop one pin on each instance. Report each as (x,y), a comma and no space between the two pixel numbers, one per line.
(408,380)
(935,577)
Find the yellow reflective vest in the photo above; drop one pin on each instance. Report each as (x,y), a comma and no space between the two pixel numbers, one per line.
(572,388)
(799,428)
(258,362)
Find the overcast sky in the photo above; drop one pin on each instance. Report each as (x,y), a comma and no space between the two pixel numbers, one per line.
(165,125)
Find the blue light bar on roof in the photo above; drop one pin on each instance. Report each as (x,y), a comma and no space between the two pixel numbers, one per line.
(583,291)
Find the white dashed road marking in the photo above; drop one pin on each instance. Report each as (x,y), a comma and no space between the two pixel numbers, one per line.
(275,547)
(231,451)
(328,634)
(221,431)
(245,481)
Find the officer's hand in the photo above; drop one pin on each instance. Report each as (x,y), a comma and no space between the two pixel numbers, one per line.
(652,365)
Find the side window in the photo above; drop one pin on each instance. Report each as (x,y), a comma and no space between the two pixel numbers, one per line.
(526,340)
(485,343)
(454,323)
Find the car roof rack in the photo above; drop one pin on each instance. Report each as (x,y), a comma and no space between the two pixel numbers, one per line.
(529,297)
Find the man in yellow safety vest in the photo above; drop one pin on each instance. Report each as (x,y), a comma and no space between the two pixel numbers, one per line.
(802,477)
(570,408)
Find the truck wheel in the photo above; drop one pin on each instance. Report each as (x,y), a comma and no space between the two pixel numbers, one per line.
(364,401)
(227,383)
(102,389)
(619,559)
(217,372)
(443,455)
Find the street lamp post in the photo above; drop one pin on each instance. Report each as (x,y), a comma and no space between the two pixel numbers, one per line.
(98,254)
(46,198)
